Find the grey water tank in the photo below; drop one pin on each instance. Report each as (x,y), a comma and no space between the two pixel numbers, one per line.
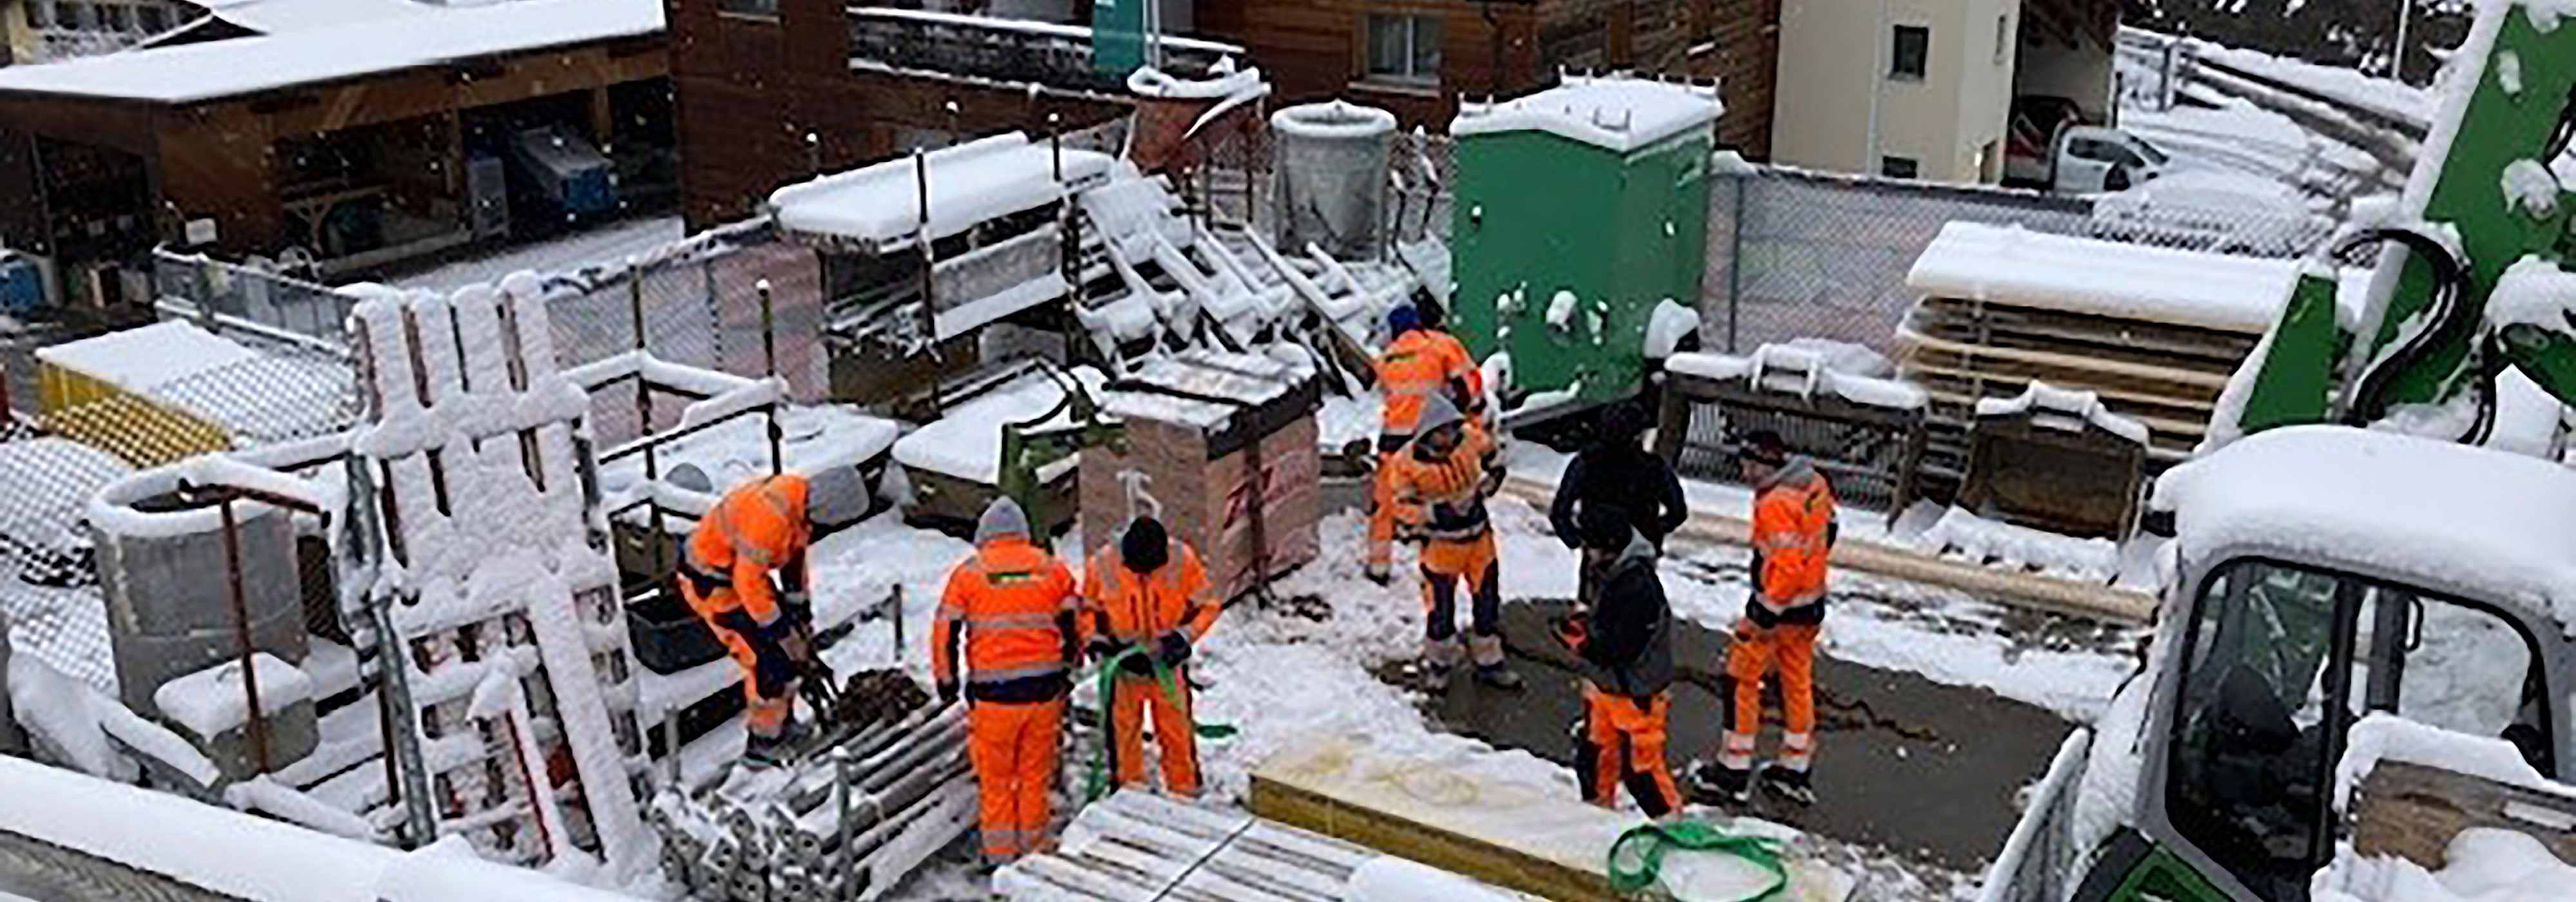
(1332,177)
(163,569)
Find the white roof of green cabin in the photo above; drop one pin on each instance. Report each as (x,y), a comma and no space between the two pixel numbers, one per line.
(1618,113)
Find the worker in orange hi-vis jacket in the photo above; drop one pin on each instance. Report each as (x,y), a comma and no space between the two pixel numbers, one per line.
(756,534)
(1450,470)
(1793,534)
(1012,607)
(1417,366)
(1149,593)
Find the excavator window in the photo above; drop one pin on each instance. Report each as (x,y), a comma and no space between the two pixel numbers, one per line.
(2281,660)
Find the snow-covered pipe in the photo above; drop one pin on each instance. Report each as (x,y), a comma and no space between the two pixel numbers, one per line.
(248,857)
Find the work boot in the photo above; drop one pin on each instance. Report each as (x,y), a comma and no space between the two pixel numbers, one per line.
(1380,574)
(1716,784)
(1790,783)
(1498,676)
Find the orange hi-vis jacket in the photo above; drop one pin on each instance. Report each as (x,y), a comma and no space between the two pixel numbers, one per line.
(756,530)
(1450,488)
(1417,365)
(1793,523)
(1012,606)
(1137,609)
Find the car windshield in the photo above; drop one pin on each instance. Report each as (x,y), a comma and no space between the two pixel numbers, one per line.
(2152,154)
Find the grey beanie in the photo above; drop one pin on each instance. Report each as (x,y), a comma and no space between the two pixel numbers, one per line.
(1002,518)
(1436,412)
(835,496)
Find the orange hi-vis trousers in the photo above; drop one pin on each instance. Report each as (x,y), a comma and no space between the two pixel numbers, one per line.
(1755,651)
(764,716)
(1470,568)
(1174,743)
(1013,749)
(1623,743)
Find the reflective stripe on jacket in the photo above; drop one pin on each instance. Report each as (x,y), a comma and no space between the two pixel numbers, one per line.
(754,531)
(1012,608)
(1132,608)
(1793,521)
(1415,366)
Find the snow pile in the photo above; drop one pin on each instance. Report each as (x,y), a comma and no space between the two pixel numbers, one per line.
(1618,113)
(1333,119)
(968,184)
(1667,327)
(1966,535)
(2483,864)
(1805,371)
(2500,525)
(2063,409)
(966,443)
(2012,265)
(261,793)
(85,729)
(2534,291)
(2530,187)
(213,701)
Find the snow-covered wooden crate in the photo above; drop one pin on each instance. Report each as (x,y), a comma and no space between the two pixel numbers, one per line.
(499,597)
(1224,446)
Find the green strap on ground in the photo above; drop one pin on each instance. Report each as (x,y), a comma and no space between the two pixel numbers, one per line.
(1637,858)
(1099,782)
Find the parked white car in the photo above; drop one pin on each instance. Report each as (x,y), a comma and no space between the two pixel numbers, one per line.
(2089,159)
(2212,210)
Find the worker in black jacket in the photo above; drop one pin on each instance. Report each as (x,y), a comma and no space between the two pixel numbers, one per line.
(1625,641)
(1616,475)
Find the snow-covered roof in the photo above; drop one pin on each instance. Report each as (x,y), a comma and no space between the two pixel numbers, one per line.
(364,46)
(1619,113)
(969,183)
(2494,524)
(283,16)
(141,359)
(2013,265)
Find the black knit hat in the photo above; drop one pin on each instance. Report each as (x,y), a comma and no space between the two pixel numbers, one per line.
(1764,446)
(1146,547)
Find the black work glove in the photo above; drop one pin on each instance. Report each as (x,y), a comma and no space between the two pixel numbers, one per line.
(771,669)
(1176,649)
(947,693)
(1104,649)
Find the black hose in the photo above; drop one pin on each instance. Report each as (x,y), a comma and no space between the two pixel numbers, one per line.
(2452,321)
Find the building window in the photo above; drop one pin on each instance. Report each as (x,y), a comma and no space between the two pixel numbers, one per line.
(1900,167)
(2003,38)
(1913,53)
(763,8)
(155,19)
(1404,48)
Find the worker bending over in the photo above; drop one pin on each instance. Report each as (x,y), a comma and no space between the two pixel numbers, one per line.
(1148,593)
(1417,366)
(1616,475)
(1625,641)
(1012,606)
(756,534)
(1793,532)
(1449,470)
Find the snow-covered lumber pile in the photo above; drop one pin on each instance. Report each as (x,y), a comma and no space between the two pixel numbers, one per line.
(1530,837)
(2154,332)
(1222,448)
(1138,847)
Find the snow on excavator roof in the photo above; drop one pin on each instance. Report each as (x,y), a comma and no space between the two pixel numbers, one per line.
(2497,525)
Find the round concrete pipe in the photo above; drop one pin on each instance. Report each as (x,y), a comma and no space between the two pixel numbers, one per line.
(168,578)
(1332,177)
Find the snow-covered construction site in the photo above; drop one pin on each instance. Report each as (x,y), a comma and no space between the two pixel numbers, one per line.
(1257,499)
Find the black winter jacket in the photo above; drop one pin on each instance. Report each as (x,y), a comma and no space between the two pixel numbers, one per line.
(1629,647)
(1624,476)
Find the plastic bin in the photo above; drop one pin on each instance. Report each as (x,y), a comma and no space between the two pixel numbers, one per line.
(668,637)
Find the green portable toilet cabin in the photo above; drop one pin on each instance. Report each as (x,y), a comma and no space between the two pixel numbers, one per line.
(1579,211)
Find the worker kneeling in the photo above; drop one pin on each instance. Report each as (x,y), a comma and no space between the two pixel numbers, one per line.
(1625,641)
(757,533)
(1012,606)
(1449,470)
(1146,603)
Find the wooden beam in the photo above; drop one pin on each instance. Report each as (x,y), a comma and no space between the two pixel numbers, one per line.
(2023,590)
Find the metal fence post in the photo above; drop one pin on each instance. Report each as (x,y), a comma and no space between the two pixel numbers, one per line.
(249,652)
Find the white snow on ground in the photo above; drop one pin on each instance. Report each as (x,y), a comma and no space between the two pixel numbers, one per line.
(613,241)
(2482,865)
